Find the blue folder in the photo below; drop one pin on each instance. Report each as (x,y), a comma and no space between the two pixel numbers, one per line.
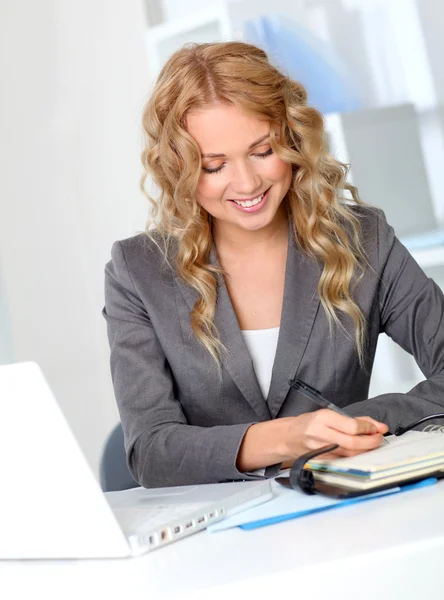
(291,504)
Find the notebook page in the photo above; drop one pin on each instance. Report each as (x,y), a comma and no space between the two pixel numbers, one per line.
(408,449)
(369,482)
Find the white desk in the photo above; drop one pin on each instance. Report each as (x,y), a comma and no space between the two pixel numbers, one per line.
(388,548)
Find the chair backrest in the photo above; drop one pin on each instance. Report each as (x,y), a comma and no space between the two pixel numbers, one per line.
(114,472)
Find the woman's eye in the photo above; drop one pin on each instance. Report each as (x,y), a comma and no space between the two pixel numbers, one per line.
(220,167)
(265,154)
(214,170)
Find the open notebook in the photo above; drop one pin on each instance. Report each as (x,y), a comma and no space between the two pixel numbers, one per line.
(413,455)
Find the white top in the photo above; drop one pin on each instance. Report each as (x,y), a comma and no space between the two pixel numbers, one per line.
(262,344)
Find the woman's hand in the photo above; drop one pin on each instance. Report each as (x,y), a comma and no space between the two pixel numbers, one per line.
(323,427)
(283,440)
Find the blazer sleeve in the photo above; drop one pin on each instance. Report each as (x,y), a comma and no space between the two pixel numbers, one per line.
(162,448)
(411,312)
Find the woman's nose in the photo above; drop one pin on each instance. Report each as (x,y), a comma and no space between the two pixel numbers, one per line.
(246,181)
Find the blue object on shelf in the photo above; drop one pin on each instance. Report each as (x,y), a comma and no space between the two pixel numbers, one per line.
(306,59)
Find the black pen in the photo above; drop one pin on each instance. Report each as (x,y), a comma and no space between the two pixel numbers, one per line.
(318,398)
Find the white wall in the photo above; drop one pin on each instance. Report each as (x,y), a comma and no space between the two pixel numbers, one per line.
(175,9)
(74,78)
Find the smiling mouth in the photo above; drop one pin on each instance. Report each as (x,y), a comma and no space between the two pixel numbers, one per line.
(250,203)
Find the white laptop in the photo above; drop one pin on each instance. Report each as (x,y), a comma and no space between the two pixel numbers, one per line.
(51,505)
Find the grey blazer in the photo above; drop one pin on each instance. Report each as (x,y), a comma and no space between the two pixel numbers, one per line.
(182,425)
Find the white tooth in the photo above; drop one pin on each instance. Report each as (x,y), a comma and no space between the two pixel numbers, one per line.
(250,203)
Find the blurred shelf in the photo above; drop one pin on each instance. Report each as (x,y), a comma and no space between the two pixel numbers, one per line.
(210,25)
(429,257)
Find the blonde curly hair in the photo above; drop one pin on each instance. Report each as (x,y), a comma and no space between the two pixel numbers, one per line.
(324,226)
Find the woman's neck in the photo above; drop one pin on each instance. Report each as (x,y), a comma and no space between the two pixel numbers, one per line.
(236,241)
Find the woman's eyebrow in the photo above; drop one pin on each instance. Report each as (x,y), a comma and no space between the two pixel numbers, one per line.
(261,139)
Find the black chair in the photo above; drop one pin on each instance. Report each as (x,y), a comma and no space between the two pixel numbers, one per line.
(114,473)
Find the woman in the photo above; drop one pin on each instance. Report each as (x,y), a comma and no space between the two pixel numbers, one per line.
(257,271)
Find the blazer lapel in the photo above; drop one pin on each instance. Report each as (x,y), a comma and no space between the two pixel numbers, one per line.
(299,309)
(237,360)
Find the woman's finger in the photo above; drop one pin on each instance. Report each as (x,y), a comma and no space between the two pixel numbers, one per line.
(382,427)
(345,424)
(355,443)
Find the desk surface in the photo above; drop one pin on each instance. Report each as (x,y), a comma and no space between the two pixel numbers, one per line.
(392,547)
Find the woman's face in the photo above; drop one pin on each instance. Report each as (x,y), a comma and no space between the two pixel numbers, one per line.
(243,182)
